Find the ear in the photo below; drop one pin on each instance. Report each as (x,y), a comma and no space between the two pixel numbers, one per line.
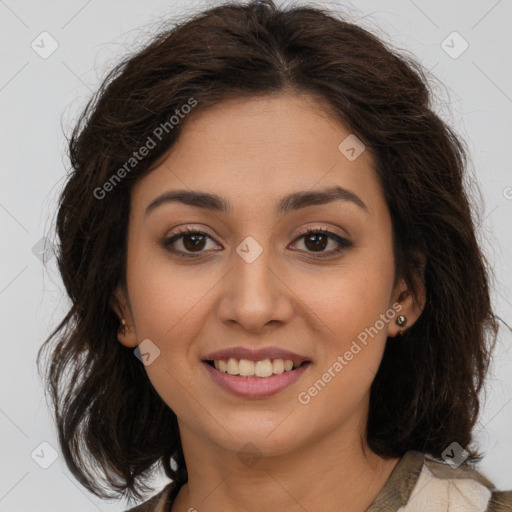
(121,305)
(411,308)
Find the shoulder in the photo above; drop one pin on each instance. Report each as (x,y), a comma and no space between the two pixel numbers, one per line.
(441,486)
(501,501)
(158,502)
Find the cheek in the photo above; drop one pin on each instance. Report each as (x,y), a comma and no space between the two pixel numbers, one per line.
(351,296)
(349,306)
(164,296)
(352,350)
(166,305)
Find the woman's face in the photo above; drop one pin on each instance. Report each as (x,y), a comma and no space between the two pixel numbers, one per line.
(251,281)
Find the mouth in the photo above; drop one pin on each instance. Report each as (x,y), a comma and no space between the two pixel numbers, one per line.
(261,369)
(255,379)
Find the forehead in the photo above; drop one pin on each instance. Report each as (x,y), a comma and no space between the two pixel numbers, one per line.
(253,149)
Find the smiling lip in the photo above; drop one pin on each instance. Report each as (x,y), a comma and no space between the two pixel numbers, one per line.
(256,387)
(255,354)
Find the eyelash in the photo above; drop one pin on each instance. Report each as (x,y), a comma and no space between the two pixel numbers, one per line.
(343,242)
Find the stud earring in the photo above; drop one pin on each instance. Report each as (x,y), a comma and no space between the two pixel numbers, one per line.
(123,326)
(401,320)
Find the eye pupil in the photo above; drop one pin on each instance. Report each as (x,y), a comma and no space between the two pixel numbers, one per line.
(316,242)
(196,239)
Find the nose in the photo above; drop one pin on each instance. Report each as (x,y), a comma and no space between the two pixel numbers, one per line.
(255,295)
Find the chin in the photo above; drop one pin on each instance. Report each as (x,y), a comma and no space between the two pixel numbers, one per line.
(265,442)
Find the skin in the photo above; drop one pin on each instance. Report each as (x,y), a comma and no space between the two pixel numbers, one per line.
(253,152)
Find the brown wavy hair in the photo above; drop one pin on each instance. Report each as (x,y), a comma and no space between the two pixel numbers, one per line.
(113,428)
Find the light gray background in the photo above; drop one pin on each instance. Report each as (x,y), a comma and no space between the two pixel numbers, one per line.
(39,98)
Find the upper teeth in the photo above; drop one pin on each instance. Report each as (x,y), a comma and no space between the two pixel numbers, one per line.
(246,368)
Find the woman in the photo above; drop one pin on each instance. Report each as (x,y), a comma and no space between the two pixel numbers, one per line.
(274,276)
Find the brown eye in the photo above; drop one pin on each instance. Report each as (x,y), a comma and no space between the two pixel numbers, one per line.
(192,241)
(317,239)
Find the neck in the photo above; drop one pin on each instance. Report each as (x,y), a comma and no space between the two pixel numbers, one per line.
(329,475)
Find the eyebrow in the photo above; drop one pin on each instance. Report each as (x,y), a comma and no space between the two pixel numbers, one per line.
(292,202)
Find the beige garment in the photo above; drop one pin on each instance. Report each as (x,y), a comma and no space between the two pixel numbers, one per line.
(418,483)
